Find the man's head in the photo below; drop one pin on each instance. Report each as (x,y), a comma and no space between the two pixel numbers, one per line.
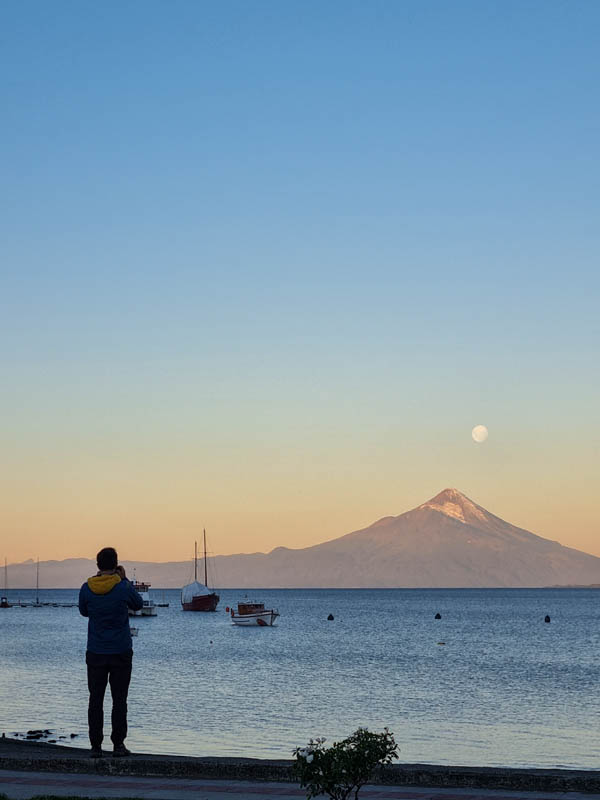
(107,559)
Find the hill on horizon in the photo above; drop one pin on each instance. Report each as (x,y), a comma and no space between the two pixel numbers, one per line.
(447,542)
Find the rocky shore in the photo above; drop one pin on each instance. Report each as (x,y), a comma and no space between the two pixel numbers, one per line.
(40,756)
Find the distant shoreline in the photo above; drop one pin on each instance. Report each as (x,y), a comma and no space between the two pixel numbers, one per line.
(334,588)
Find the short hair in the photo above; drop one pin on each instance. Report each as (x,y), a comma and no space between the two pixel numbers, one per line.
(107,558)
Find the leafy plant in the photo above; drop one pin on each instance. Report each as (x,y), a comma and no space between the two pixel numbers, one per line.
(339,770)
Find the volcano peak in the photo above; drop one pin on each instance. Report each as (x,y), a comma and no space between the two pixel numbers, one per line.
(457,505)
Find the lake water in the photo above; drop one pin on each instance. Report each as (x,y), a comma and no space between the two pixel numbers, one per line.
(488,684)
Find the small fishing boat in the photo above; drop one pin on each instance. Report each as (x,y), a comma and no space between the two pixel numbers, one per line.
(4,603)
(248,614)
(149,609)
(197,596)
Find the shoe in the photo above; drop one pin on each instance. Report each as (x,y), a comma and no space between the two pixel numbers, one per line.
(96,752)
(120,751)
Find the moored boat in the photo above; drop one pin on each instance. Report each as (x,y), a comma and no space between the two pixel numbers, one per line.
(197,596)
(4,603)
(149,609)
(248,614)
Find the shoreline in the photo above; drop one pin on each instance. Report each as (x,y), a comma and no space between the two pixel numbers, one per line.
(35,756)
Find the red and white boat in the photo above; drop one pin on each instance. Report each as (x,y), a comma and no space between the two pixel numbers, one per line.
(197,596)
(248,614)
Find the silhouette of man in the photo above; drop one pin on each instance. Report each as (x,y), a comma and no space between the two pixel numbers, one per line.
(106,599)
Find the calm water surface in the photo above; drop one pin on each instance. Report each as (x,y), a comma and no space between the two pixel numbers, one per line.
(504,688)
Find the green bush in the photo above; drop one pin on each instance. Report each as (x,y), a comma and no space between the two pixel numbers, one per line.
(346,766)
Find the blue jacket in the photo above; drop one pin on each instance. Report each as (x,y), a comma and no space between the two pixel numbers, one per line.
(105,599)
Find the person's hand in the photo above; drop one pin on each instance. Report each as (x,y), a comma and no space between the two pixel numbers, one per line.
(121,572)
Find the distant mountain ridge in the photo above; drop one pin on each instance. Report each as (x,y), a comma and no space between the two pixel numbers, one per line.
(447,542)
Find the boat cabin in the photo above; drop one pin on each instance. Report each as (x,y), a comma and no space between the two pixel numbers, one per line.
(250,608)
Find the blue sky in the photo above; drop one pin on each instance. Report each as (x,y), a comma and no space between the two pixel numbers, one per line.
(270,237)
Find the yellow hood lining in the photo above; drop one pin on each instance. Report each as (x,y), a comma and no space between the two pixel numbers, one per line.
(102,584)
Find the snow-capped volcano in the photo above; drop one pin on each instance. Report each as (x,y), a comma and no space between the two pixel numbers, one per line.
(456,505)
(449,541)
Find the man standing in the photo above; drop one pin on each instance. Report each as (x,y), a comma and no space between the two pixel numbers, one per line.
(105,599)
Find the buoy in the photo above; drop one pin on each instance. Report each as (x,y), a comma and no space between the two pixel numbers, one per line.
(330,617)
(441,642)
(438,616)
(546,618)
(227,609)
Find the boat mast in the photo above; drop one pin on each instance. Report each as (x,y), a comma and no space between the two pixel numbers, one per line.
(37,583)
(205,581)
(195,561)
(5,575)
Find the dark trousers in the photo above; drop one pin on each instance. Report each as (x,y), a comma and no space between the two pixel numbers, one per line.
(115,669)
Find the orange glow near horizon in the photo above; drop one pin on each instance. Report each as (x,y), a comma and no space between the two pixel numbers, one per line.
(151,526)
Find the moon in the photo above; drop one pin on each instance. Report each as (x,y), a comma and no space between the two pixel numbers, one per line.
(479,433)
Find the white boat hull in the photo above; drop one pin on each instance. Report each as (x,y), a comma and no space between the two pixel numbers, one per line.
(146,611)
(149,609)
(260,618)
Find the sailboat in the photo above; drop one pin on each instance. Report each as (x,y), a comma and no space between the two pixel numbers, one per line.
(37,603)
(197,596)
(4,599)
(30,603)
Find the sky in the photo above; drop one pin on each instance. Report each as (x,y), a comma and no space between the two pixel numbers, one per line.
(265,265)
